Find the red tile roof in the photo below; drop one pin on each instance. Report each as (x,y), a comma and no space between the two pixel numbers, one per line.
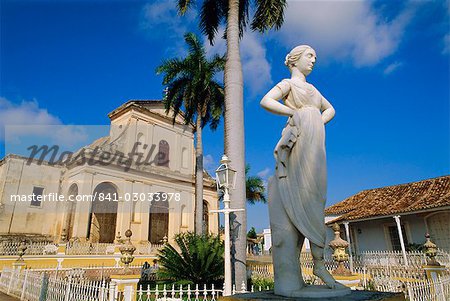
(416,196)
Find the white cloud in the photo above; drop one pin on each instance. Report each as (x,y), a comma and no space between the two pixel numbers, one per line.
(264,173)
(208,161)
(27,119)
(161,19)
(255,66)
(446,49)
(165,14)
(343,30)
(392,67)
(26,113)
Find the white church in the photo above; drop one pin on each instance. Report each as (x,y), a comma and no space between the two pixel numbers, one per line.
(139,177)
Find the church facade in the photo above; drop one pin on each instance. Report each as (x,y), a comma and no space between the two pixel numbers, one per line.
(139,177)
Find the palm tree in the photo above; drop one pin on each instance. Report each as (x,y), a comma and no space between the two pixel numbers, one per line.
(190,84)
(268,14)
(254,188)
(198,261)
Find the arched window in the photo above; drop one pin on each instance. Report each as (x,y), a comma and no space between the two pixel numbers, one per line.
(158,226)
(205,217)
(163,154)
(103,214)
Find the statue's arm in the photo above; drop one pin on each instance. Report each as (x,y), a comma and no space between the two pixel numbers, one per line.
(270,100)
(327,109)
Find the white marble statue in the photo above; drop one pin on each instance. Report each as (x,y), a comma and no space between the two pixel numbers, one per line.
(297,192)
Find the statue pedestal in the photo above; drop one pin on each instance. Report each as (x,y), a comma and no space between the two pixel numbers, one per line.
(353,296)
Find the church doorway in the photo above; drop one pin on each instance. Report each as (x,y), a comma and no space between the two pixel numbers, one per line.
(71,208)
(103,214)
(158,225)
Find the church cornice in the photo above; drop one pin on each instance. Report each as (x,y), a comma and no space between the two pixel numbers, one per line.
(143,107)
(32,160)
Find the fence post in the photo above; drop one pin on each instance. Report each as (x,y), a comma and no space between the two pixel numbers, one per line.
(410,294)
(102,290)
(125,284)
(11,277)
(22,295)
(364,278)
(68,289)
(128,293)
(44,287)
(442,293)
(243,287)
(112,290)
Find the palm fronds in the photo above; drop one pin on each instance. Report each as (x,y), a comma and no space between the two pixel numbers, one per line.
(199,259)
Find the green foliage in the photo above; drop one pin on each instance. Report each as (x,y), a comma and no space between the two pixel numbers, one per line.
(263,282)
(252,233)
(191,84)
(415,247)
(254,188)
(197,259)
(268,14)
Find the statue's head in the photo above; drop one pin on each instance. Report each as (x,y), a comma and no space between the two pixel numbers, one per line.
(303,58)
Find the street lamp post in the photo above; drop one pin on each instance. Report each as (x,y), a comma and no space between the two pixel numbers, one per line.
(225,179)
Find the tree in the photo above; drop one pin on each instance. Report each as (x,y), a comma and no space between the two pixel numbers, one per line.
(268,14)
(254,188)
(252,233)
(199,261)
(190,84)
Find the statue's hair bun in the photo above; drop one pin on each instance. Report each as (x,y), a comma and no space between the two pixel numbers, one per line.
(286,60)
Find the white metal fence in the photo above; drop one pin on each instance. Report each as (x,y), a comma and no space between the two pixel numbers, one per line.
(437,290)
(87,248)
(33,286)
(383,258)
(395,258)
(11,248)
(93,273)
(411,279)
(187,293)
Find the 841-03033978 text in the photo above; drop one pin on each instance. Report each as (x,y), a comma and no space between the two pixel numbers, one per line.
(143,197)
(139,196)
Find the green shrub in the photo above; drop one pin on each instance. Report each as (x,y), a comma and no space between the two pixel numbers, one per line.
(198,261)
(263,282)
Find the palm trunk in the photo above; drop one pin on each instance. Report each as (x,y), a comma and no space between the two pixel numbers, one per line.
(199,177)
(234,137)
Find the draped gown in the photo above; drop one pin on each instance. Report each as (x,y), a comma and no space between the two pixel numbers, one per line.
(301,174)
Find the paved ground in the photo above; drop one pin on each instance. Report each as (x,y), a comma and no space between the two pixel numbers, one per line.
(4,297)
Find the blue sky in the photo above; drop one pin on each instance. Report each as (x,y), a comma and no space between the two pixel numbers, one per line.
(384,66)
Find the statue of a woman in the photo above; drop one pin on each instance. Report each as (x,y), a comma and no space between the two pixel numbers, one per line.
(297,192)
